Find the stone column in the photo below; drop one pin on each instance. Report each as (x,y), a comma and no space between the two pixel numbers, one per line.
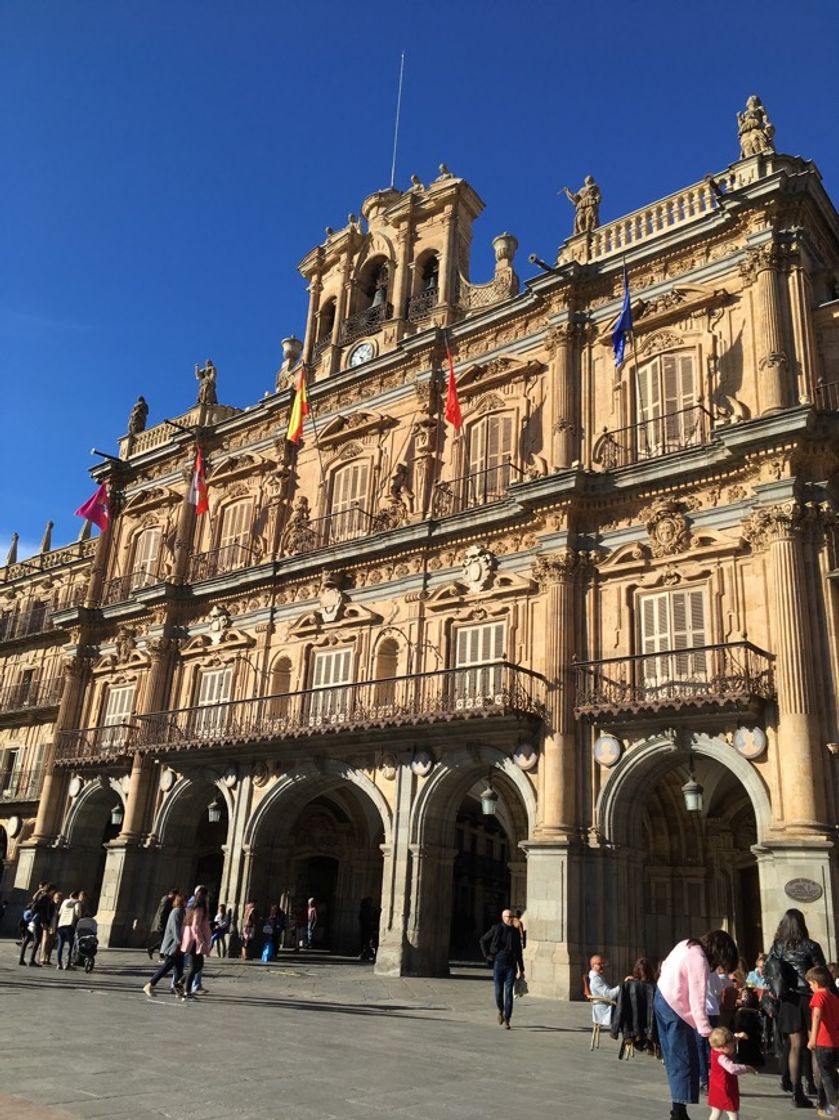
(54,793)
(799,802)
(761,265)
(429,921)
(315,288)
(396,878)
(562,339)
(449,264)
(402,280)
(556,573)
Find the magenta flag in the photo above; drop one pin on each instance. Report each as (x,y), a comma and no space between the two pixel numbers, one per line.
(96,508)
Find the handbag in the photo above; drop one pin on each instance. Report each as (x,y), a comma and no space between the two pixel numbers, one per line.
(520,988)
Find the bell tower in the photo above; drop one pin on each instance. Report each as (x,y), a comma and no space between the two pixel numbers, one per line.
(394,271)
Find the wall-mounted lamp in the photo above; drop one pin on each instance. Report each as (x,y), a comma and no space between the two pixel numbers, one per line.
(117,814)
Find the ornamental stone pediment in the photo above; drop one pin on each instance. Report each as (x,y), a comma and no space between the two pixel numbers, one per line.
(497,373)
(355,424)
(349,615)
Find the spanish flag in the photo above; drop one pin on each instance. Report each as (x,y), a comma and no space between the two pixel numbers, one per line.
(299,409)
(198,495)
(453,413)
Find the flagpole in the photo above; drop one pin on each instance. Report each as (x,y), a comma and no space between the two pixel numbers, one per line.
(396,126)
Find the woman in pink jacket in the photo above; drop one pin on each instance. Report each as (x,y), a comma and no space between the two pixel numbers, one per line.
(680,1010)
(196,938)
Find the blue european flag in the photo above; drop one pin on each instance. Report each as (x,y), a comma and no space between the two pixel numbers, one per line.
(624,324)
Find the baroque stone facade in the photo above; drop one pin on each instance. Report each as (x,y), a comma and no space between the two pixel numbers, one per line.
(606,580)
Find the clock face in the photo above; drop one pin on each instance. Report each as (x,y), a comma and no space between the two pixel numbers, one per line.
(362,353)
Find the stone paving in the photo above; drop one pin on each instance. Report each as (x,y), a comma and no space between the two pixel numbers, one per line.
(310,1038)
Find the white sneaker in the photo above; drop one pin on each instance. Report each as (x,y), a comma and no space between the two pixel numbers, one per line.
(148,989)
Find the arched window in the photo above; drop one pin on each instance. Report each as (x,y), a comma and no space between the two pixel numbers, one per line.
(387,664)
(146,553)
(426,287)
(668,405)
(326,320)
(347,508)
(490,458)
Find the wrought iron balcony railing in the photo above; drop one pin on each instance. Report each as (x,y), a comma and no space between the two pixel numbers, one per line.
(321,345)
(365,322)
(345,525)
(119,589)
(650,439)
(30,695)
(220,561)
(24,623)
(827,396)
(492,689)
(422,304)
(731,675)
(22,785)
(471,490)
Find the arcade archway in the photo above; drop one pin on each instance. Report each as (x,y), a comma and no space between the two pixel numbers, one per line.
(94,820)
(192,834)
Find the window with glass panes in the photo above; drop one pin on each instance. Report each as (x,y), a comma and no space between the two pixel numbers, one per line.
(668,394)
(331,669)
(673,624)
(476,647)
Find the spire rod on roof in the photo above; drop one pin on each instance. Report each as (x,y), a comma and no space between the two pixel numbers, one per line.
(396,126)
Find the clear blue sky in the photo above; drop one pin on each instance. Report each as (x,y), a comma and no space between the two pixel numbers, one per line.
(167,164)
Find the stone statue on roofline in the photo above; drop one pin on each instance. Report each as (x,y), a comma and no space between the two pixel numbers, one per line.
(754,129)
(137,419)
(586,205)
(206,376)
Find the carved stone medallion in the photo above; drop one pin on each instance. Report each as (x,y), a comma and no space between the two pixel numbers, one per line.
(478,566)
(668,529)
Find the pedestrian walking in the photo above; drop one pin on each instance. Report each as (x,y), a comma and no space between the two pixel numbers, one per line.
(221,928)
(311,922)
(680,1011)
(68,915)
(158,923)
(724,1087)
(49,928)
(170,948)
(196,938)
(36,915)
(249,920)
(791,956)
(501,944)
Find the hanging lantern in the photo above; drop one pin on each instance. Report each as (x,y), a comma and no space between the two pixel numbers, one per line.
(117,814)
(214,811)
(692,793)
(489,800)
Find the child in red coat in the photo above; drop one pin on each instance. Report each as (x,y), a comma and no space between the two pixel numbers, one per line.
(723,1088)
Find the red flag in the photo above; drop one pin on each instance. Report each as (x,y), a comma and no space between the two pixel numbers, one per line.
(97,509)
(198,488)
(453,414)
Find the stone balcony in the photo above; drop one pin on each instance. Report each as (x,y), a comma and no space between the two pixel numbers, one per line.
(733,676)
(490,691)
(21,785)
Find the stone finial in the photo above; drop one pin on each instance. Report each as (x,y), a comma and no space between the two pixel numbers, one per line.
(292,349)
(84,532)
(11,555)
(505,246)
(754,129)
(139,415)
(206,376)
(46,540)
(586,205)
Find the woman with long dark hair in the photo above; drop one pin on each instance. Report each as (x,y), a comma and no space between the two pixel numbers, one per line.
(680,1011)
(196,938)
(791,955)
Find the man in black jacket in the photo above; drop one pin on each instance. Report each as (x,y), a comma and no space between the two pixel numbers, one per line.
(158,924)
(502,946)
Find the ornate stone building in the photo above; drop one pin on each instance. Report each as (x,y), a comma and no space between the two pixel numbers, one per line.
(611,586)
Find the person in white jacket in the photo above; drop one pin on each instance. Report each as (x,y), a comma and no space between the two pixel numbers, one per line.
(601,1012)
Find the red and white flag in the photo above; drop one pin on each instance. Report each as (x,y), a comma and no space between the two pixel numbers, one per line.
(453,414)
(97,508)
(198,487)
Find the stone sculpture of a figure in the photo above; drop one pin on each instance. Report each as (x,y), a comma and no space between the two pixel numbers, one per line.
(754,129)
(138,417)
(586,206)
(206,376)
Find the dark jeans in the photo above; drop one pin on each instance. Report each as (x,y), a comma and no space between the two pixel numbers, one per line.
(30,938)
(174,960)
(65,937)
(504,976)
(703,1051)
(678,1048)
(196,964)
(827,1059)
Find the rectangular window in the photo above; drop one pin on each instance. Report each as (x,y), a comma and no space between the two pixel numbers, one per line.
(479,646)
(119,701)
(8,770)
(328,702)
(234,537)
(347,513)
(26,692)
(146,552)
(214,686)
(490,454)
(669,413)
(672,624)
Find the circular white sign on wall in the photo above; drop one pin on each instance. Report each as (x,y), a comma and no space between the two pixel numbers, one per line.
(167,779)
(607,749)
(525,756)
(422,764)
(75,786)
(14,826)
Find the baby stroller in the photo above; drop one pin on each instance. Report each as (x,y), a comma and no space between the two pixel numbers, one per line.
(85,944)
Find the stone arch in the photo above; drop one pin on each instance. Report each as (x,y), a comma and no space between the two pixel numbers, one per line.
(88,830)
(188,788)
(641,766)
(104,794)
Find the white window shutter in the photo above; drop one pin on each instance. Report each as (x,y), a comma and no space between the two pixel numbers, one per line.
(146,553)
